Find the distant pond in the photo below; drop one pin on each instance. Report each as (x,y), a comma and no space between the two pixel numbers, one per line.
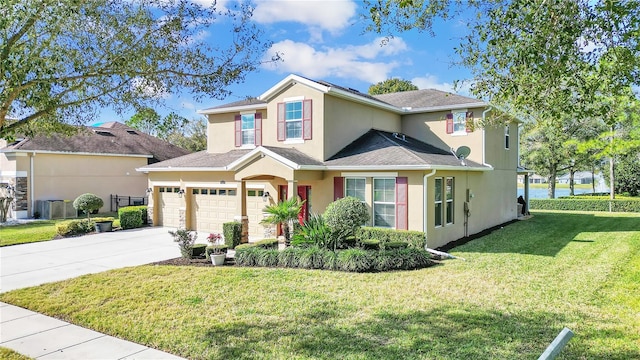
(542,193)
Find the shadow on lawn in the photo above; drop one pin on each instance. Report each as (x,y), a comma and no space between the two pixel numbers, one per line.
(443,333)
(545,233)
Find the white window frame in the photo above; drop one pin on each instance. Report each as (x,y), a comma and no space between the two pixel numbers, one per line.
(288,120)
(437,202)
(364,188)
(507,139)
(247,130)
(450,203)
(456,121)
(386,202)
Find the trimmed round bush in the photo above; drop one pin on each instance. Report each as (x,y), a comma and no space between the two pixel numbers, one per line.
(88,203)
(344,216)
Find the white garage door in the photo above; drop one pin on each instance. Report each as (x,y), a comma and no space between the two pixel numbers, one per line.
(255,205)
(169,204)
(210,208)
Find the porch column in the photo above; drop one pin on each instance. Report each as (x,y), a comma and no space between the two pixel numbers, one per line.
(241,207)
(292,188)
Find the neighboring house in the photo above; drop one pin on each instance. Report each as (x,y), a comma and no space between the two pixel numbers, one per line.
(580,177)
(100,160)
(321,142)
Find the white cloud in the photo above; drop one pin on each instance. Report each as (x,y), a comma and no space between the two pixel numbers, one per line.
(363,62)
(329,15)
(429,81)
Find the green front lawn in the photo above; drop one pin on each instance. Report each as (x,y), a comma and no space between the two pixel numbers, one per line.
(27,233)
(517,289)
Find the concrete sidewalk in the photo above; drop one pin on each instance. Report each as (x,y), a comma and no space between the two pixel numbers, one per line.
(44,337)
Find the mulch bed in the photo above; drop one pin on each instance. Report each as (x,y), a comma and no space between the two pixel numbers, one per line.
(179,261)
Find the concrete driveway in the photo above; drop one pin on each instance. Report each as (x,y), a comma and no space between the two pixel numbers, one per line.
(43,337)
(38,263)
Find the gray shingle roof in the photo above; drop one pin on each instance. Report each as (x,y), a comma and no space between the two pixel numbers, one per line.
(109,138)
(295,156)
(202,159)
(381,148)
(425,98)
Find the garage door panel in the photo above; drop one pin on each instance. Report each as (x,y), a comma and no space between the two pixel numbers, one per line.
(209,211)
(169,209)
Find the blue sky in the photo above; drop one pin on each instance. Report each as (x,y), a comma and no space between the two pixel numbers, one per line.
(325,40)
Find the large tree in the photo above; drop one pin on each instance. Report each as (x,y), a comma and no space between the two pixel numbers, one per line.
(535,59)
(62,60)
(192,136)
(391,86)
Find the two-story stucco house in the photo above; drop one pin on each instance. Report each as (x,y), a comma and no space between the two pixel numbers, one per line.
(319,141)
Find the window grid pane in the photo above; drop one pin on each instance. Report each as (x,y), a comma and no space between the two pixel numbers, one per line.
(437,188)
(460,122)
(293,111)
(356,188)
(384,206)
(294,129)
(449,196)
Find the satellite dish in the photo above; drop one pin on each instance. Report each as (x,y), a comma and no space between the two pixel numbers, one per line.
(463,152)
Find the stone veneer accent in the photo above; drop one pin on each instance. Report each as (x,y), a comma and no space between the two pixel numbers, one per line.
(150,215)
(21,202)
(182,218)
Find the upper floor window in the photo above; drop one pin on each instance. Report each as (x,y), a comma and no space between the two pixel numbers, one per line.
(460,122)
(248,128)
(506,137)
(294,120)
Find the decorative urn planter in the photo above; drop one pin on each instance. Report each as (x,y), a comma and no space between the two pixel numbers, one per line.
(104,226)
(218,259)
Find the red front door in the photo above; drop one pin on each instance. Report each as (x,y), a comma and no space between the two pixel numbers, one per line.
(303,193)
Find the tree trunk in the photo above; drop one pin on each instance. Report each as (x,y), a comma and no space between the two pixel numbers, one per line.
(612,193)
(552,184)
(572,173)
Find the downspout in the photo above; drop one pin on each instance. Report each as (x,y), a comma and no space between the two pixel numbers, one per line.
(484,138)
(424,204)
(31,184)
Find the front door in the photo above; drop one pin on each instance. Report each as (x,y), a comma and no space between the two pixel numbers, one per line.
(303,192)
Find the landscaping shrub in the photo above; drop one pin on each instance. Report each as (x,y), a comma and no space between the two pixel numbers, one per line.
(102,219)
(316,232)
(198,250)
(185,239)
(232,232)
(289,257)
(415,239)
(395,245)
(354,260)
(247,255)
(267,258)
(88,203)
(131,217)
(312,258)
(74,227)
(370,244)
(345,216)
(587,204)
(267,244)
(245,246)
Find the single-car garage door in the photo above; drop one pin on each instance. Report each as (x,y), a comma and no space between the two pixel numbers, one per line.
(210,208)
(169,205)
(255,205)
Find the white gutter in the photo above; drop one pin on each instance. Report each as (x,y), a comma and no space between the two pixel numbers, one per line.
(232,109)
(424,205)
(484,138)
(73,153)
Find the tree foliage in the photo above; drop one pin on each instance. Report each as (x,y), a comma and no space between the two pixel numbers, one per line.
(391,86)
(88,203)
(192,136)
(63,60)
(149,121)
(282,213)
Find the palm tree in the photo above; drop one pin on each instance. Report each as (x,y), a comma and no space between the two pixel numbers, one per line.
(282,213)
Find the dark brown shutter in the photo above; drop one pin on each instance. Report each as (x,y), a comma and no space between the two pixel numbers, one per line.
(282,134)
(238,123)
(258,128)
(450,123)
(306,119)
(402,210)
(338,187)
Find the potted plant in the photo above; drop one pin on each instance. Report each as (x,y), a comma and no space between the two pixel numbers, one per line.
(104,224)
(217,251)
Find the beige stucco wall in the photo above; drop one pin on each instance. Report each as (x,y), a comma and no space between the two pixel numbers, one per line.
(66,176)
(345,121)
(432,129)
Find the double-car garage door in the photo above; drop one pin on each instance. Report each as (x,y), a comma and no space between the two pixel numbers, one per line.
(209,208)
